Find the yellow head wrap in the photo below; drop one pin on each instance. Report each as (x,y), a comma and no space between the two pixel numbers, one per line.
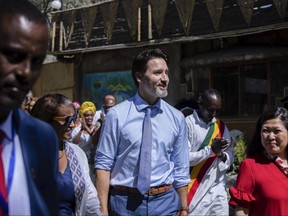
(87,106)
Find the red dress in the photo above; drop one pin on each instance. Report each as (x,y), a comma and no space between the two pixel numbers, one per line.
(261,187)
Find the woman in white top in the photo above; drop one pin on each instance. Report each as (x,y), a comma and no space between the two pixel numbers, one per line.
(85,135)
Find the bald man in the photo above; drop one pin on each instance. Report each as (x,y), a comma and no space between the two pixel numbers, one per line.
(108,102)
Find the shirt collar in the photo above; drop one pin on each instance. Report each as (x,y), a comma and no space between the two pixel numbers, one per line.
(276,160)
(6,126)
(141,104)
(200,121)
(271,157)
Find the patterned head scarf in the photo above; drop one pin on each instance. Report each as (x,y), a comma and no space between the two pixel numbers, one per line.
(87,106)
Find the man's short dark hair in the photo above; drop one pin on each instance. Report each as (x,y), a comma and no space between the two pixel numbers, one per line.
(21,7)
(206,94)
(141,60)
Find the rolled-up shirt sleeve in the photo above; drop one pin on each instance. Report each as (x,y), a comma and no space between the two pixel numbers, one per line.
(180,157)
(107,149)
(195,157)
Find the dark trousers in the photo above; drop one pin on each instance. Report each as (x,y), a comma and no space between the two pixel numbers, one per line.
(127,203)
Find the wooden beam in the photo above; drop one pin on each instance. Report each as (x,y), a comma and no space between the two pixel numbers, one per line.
(234,33)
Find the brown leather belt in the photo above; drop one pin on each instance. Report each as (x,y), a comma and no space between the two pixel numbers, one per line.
(151,191)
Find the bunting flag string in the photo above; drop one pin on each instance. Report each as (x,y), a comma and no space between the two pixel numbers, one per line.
(109,12)
(281,6)
(131,13)
(159,9)
(68,20)
(185,10)
(246,7)
(215,8)
(88,16)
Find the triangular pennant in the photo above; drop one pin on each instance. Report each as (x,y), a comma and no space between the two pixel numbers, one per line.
(215,8)
(159,9)
(54,17)
(281,6)
(68,19)
(131,13)
(246,7)
(109,13)
(88,16)
(185,11)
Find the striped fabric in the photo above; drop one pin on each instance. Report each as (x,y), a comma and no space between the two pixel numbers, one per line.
(77,176)
(198,172)
(3,191)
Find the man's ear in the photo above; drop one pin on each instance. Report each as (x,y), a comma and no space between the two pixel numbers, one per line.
(138,76)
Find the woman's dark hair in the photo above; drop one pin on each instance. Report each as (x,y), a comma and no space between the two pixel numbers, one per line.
(47,106)
(141,60)
(255,145)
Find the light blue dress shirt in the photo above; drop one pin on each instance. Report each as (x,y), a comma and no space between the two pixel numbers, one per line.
(120,142)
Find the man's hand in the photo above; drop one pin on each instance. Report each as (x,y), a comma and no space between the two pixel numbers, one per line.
(219,144)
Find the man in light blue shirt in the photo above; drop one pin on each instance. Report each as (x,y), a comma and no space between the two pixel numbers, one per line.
(117,158)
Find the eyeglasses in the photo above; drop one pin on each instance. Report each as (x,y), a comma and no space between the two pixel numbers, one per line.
(67,120)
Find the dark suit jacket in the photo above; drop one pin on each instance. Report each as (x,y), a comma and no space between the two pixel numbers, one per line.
(40,154)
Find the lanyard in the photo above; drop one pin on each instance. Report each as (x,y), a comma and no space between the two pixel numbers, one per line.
(3,203)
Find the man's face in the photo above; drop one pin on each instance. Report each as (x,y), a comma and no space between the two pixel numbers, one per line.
(209,108)
(153,84)
(108,103)
(23,46)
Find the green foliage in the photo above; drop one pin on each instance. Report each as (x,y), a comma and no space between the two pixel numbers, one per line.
(239,155)
(239,151)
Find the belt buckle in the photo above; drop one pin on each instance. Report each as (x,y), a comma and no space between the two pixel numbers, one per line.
(151,191)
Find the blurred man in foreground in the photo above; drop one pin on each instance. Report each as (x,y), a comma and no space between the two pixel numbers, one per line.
(28,147)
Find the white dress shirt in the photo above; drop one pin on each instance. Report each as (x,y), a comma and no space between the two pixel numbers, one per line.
(97,116)
(18,197)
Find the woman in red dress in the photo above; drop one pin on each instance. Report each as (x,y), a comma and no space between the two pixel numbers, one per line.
(262,182)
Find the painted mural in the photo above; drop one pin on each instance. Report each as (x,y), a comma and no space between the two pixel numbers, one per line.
(118,83)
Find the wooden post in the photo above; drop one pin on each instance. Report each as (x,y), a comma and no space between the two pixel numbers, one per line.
(61,36)
(149,22)
(139,24)
(65,38)
(53,33)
